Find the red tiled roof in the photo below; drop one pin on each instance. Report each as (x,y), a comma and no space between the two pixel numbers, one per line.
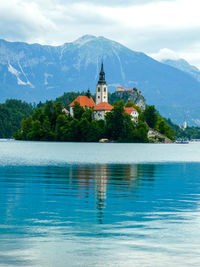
(103,106)
(84,101)
(129,110)
(120,87)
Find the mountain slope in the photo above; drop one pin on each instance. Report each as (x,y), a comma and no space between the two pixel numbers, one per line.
(35,72)
(183,65)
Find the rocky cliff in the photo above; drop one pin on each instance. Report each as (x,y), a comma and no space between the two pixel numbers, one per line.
(134,96)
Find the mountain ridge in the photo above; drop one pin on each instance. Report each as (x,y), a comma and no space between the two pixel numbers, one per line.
(184,66)
(34,72)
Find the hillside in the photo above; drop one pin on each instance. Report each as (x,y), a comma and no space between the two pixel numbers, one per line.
(183,65)
(35,72)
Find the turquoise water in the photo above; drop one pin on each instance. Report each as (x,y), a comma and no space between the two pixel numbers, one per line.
(65,204)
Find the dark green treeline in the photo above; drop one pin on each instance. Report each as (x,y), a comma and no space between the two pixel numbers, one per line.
(12,112)
(50,123)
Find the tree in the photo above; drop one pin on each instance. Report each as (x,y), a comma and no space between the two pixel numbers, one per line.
(114,121)
(27,126)
(48,109)
(129,104)
(38,114)
(84,129)
(94,132)
(150,116)
(12,112)
(127,130)
(36,132)
(62,128)
(78,111)
(74,131)
(88,114)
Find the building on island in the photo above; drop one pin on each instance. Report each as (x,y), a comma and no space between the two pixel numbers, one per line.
(101,109)
(184,126)
(102,106)
(122,89)
(133,112)
(84,101)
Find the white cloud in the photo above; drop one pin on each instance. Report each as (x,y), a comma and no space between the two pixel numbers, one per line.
(24,21)
(144,25)
(165,53)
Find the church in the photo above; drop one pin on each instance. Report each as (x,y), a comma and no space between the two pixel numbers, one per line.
(101,107)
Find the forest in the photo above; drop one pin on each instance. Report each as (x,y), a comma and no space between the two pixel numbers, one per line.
(12,112)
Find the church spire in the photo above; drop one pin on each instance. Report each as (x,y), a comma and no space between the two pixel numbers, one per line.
(101,88)
(102,75)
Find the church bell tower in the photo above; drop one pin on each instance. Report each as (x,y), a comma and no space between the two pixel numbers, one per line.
(101,88)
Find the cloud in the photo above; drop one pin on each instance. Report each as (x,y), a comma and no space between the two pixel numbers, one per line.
(113,3)
(142,25)
(165,53)
(22,21)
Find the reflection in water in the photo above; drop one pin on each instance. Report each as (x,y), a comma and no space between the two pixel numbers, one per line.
(101,180)
(89,179)
(99,215)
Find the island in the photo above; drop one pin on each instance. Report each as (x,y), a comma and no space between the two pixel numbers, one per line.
(84,120)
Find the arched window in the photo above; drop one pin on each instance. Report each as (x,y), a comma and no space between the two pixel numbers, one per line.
(104,89)
(99,89)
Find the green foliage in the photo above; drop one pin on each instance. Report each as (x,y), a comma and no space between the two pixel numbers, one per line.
(42,124)
(12,112)
(129,104)
(121,128)
(78,111)
(150,116)
(88,114)
(188,133)
(114,121)
(164,128)
(50,123)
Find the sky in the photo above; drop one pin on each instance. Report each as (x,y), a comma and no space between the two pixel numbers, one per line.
(160,28)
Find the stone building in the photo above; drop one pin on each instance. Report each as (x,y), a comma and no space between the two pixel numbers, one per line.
(101,109)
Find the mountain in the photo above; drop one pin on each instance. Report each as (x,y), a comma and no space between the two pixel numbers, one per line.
(34,72)
(183,65)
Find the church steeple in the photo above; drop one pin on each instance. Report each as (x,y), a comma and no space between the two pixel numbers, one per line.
(102,75)
(101,88)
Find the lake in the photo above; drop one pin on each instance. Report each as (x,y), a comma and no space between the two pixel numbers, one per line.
(92,204)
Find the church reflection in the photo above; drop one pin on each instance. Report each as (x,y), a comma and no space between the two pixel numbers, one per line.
(87,186)
(101,182)
(96,179)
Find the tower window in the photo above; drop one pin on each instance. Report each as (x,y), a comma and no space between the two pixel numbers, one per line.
(99,89)
(98,96)
(104,89)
